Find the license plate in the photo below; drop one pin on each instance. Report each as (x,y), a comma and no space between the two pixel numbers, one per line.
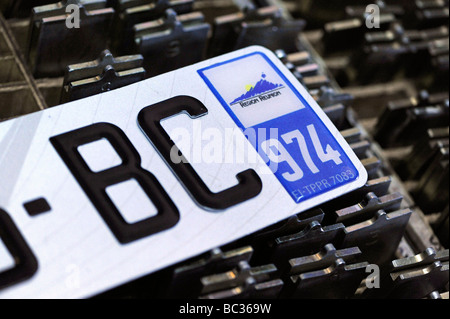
(107,189)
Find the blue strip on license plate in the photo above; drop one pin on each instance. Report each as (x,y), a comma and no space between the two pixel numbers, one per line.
(281,125)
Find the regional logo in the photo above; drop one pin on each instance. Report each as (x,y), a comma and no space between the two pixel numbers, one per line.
(263,90)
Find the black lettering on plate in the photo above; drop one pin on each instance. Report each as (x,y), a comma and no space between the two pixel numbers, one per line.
(149,119)
(95,184)
(26,264)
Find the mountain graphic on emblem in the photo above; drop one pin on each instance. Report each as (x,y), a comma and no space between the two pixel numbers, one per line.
(261,87)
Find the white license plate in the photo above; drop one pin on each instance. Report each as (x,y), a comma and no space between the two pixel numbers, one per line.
(104,190)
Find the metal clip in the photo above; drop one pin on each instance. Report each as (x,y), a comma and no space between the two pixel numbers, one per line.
(291,225)
(365,209)
(427,257)
(305,242)
(339,281)
(172,43)
(324,258)
(379,237)
(250,289)
(53,45)
(273,33)
(104,74)
(186,278)
(225,28)
(132,12)
(237,277)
